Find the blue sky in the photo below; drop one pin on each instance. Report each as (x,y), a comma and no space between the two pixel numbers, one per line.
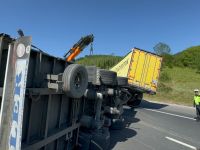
(118,25)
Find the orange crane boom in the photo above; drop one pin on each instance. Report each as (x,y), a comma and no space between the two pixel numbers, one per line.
(78,47)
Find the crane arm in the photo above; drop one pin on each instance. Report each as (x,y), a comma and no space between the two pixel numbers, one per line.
(78,47)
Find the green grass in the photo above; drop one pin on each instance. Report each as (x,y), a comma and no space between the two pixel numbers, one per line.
(101,61)
(179,86)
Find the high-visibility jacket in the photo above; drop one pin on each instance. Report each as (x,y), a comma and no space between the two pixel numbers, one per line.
(197,100)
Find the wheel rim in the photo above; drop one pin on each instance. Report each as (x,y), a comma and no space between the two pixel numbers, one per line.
(77,81)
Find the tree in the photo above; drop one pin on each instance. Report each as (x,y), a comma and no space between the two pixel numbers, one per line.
(168,60)
(161,48)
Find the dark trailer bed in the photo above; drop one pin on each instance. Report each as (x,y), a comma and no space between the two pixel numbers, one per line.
(50,118)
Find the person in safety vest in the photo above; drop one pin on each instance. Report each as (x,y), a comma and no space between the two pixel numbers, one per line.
(197,103)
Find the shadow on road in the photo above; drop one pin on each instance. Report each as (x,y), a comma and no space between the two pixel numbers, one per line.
(151,105)
(126,133)
(130,118)
(121,136)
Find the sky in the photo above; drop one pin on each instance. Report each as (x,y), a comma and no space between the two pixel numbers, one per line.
(117,25)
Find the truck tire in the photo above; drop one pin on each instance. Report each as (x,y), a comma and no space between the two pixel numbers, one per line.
(75,80)
(122,81)
(136,101)
(139,98)
(92,73)
(117,124)
(106,77)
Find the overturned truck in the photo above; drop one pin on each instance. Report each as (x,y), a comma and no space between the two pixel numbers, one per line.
(48,103)
(142,68)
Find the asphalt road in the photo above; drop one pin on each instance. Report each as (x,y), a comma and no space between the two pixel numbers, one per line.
(156,126)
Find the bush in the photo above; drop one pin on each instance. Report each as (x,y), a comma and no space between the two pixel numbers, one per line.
(198,69)
(188,58)
(168,60)
(164,88)
(165,77)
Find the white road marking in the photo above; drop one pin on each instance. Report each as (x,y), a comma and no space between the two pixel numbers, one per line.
(170,114)
(181,143)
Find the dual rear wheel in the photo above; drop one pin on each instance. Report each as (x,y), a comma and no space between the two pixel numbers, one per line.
(75,80)
(136,100)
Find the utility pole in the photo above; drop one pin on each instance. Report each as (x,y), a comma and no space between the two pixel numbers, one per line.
(91,49)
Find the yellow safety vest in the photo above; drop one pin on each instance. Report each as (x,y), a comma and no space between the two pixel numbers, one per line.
(197,100)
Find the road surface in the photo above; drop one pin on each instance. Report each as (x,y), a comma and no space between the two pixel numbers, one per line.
(156,126)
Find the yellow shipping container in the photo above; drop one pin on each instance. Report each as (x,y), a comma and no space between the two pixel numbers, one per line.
(142,69)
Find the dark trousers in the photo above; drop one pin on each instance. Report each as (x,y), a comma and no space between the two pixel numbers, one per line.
(198,111)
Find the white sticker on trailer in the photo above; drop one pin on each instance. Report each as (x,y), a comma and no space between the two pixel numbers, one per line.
(18,107)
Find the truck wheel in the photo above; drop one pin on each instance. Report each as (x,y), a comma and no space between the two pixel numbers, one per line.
(75,80)
(122,81)
(106,77)
(92,73)
(136,101)
(139,98)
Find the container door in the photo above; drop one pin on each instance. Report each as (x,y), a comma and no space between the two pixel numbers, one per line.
(136,71)
(144,70)
(151,71)
(154,71)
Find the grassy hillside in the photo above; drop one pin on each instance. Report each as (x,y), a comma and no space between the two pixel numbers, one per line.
(101,61)
(188,58)
(176,85)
